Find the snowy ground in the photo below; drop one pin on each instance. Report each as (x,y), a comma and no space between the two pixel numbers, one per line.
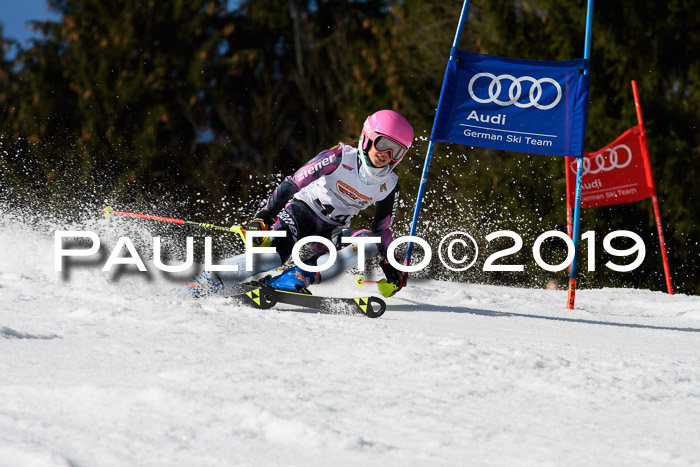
(99,371)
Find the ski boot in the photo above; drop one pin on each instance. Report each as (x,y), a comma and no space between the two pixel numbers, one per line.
(207,283)
(295,280)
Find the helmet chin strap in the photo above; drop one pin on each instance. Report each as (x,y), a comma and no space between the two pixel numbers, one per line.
(364,156)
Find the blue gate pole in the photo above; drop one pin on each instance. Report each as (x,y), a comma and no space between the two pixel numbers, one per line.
(579,173)
(575,233)
(431,143)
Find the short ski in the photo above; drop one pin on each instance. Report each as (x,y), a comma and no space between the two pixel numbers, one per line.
(264,297)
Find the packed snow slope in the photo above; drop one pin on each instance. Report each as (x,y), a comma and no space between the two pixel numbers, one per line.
(101,369)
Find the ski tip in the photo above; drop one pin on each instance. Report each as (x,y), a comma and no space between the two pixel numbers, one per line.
(372,307)
(262,298)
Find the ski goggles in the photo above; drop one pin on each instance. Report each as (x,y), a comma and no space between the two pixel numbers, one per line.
(383,143)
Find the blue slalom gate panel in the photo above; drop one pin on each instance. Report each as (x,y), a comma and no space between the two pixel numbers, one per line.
(513,104)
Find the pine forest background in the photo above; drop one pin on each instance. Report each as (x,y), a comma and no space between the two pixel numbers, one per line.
(196,109)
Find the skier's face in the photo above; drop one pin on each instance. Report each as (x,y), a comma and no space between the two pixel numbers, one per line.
(379,159)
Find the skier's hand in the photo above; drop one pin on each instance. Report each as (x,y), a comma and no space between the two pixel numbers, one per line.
(262,221)
(395,279)
(257,224)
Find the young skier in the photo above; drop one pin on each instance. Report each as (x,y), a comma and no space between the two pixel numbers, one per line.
(320,199)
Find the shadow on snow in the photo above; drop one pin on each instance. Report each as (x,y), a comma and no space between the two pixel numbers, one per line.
(503,314)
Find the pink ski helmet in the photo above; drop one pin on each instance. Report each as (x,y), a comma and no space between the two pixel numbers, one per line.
(387,131)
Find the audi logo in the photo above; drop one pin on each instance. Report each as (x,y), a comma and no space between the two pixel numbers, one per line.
(600,161)
(515,90)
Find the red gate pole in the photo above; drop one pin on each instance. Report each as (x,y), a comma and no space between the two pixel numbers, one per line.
(652,188)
